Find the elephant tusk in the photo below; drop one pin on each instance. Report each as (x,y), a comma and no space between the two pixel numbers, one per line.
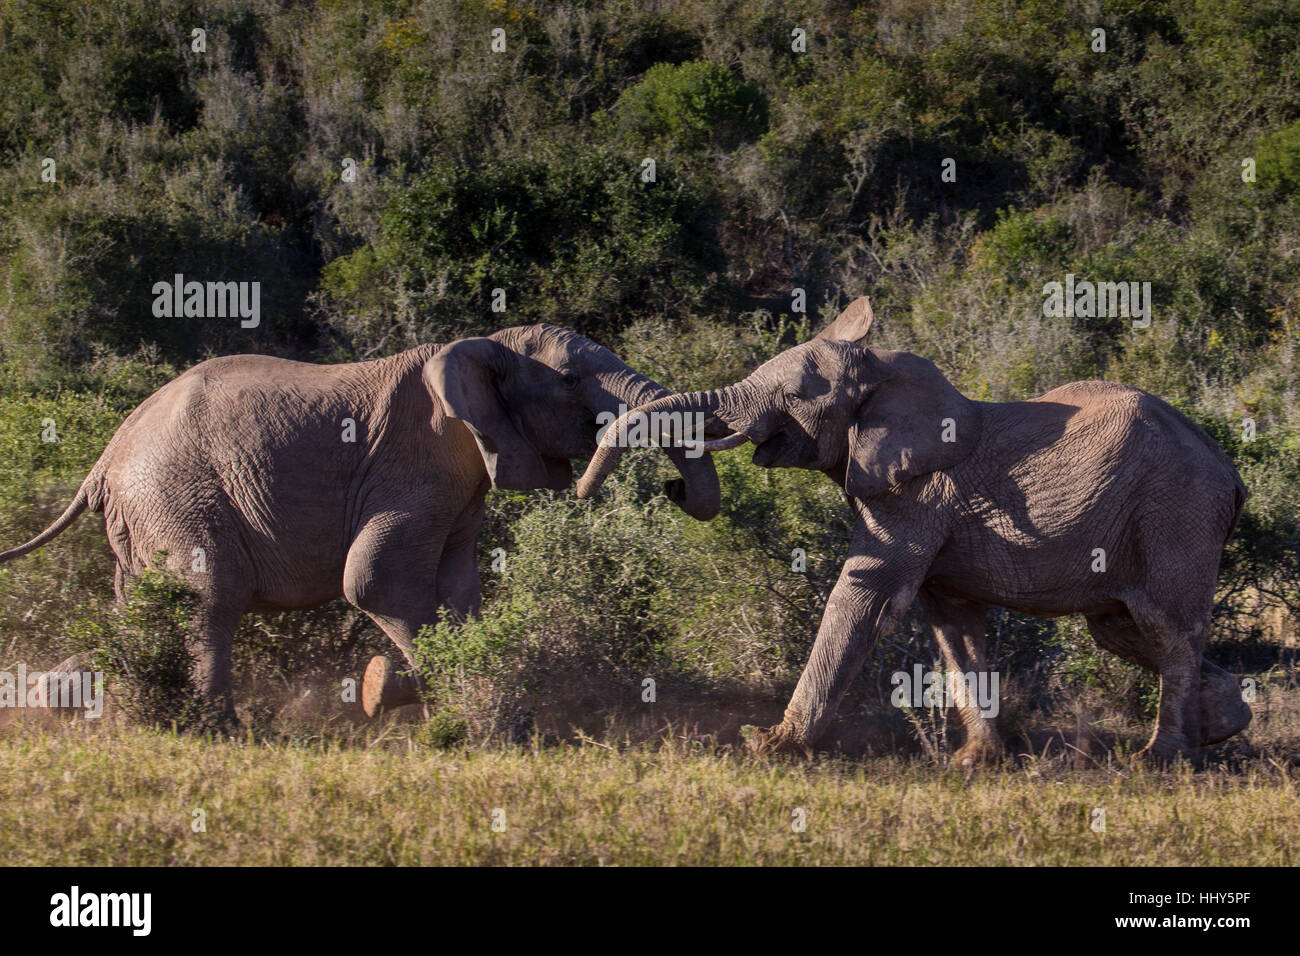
(722,444)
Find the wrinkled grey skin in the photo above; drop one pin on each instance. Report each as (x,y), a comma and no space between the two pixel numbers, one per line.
(244,457)
(1008,512)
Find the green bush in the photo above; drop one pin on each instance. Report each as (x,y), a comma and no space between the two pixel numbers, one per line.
(572,237)
(691,106)
(142,646)
(484,676)
(79,276)
(1277,159)
(1080,663)
(41,592)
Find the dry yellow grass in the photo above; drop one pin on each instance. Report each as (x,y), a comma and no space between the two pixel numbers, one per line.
(83,794)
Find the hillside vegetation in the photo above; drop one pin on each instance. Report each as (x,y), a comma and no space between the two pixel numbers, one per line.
(380,169)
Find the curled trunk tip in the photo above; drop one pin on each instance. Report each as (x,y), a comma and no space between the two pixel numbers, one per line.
(610,451)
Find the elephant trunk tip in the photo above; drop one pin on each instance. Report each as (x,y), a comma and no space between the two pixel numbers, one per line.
(614,442)
(586,488)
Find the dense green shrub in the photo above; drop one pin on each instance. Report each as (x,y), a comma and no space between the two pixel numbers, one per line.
(1278,161)
(690,107)
(571,237)
(142,647)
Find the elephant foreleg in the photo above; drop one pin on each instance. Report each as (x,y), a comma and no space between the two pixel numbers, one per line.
(457,593)
(392,573)
(876,586)
(386,685)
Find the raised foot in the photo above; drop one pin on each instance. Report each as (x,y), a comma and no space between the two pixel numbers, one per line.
(383,688)
(1223,712)
(979,753)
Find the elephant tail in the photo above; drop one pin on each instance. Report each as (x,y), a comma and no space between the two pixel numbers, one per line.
(74,510)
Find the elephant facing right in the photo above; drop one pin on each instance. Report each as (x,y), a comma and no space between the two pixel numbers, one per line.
(1096,498)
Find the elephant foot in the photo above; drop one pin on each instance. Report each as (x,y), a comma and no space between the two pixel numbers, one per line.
(776,740)
(979,753)
(383,688)
(214,718)
(1163,755)
(1223,712)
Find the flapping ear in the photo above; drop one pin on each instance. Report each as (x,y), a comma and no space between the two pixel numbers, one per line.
(912,423)
(464,376)
(851,325)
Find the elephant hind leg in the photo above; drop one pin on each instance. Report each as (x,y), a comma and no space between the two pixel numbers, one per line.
(1222,712)
(1171,643)
(960,630)
(211,642)
(1119,634)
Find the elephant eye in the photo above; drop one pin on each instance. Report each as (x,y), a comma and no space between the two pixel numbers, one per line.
(570,379)
(791,398)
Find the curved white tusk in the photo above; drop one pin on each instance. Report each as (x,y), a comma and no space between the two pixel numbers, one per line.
(722,444)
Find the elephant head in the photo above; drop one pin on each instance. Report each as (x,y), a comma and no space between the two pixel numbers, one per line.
(870,419)
(530,396)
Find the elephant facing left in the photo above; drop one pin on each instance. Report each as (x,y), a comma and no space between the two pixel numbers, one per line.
(279,485)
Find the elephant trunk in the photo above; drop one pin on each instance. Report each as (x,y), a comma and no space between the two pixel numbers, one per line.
(656,412)
(697,491)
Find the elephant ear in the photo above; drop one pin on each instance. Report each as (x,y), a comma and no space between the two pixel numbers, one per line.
(463,377)
(851,325)
(912,422)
